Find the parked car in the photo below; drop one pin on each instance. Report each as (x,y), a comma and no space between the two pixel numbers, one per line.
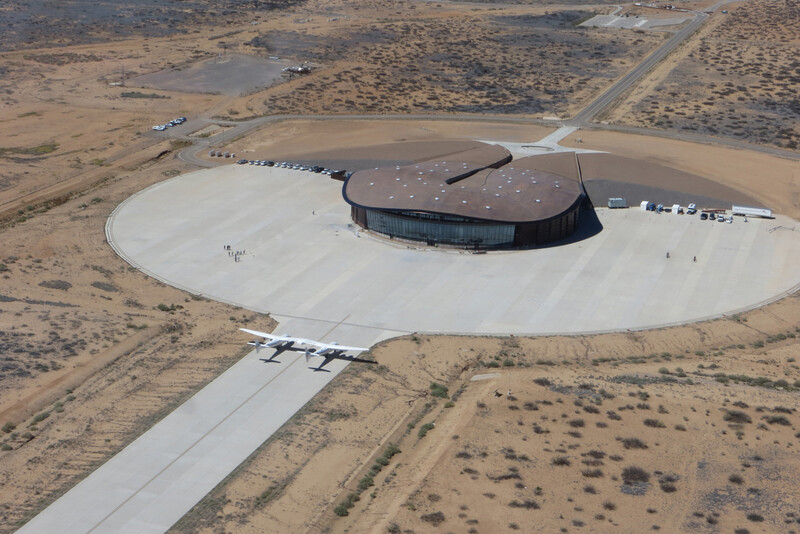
(242,161)
(703,216)
(691,209)
(720,218)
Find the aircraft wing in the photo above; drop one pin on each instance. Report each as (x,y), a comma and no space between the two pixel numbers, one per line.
(260,334)
(273,337)
(333,346)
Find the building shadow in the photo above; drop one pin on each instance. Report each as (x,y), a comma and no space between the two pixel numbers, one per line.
(588,226)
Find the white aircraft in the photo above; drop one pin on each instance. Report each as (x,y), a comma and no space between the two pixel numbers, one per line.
(330,351)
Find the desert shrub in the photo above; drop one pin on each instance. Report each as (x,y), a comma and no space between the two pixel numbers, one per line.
(577,423)
(56,284)
(654,423)
(634,475)
(668,487)
(756,518)
(736,479)
(391,450)
(633,443)
(542,382)
(526,504)
(596,454)
(778,420)
(608,505)
(41,417)
(736,416)
(592,473)
(590,409)
(590,489)
(463,454)
(9,427)
(435,518)
(423,430)
(561,461)
(365,483)
(530,406)
(341,510)
(438,390)
(614,416)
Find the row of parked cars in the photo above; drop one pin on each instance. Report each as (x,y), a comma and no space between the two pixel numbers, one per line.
(288,165)
(691,209)
(221,154)
(170,124)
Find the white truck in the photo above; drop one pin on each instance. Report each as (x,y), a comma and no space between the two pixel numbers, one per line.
(752,212)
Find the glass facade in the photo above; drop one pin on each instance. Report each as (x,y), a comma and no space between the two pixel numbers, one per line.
(433,231)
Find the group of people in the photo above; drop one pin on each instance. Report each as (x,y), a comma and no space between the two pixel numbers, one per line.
(235,254)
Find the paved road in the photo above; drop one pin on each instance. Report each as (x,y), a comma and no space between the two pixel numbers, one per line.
(624,83)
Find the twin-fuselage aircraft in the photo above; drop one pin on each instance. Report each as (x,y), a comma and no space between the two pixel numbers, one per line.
(329,351)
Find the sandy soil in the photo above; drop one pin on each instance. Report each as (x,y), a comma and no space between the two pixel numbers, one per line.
(487,462)
(737,78)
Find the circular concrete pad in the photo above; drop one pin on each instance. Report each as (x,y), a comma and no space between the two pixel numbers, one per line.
(304,259)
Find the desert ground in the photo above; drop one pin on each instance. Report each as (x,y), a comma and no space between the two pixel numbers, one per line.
(93,352)
(738,78)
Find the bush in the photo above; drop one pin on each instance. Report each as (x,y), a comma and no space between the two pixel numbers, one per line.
(635,475)
(423,430)
(592,473)
(736,416)
(9,427)
(668,487)
(41,417)
(608,505)
(633,443)
(341,510)
(736,479)
(6,447)
(391,450)
(438,390)
(526,504)
(654,423)
(365,483)
(561,461)
(756,518)
(778,420)
(435,519)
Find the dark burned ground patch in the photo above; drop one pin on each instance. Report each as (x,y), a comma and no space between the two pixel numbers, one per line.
(234,75)
(460,64)
(304,46)
(29,23)
(559,19)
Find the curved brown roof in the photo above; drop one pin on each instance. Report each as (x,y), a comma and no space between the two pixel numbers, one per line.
(519,191)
